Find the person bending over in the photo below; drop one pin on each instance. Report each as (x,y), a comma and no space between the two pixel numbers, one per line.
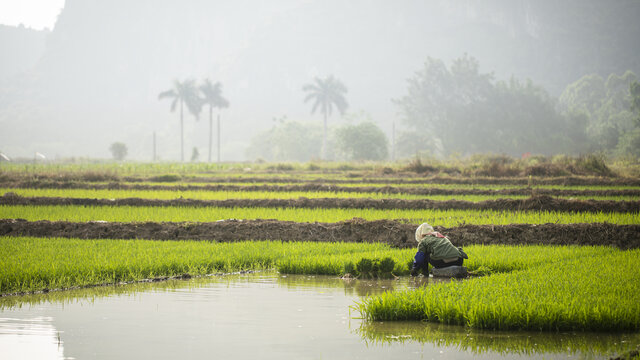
(435,249)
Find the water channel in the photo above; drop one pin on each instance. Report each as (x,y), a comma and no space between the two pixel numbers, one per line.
(258,316)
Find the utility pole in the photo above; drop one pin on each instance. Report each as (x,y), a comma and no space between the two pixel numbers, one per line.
(218,138)
(210,133)
(393,141)
(154,146)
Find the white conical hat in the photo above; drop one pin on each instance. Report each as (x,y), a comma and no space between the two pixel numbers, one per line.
(422,231)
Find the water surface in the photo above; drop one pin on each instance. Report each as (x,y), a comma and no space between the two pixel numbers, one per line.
(257,316)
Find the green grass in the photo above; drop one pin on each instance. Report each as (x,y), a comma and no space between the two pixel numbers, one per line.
(446,218)
(224,195)
(595,289)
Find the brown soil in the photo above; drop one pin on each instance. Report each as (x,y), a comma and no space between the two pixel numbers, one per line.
(356,230)
(566,181)
(535,203)
(310,187)
(356,178)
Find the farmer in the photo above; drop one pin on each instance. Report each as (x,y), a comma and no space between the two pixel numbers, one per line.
(435,249)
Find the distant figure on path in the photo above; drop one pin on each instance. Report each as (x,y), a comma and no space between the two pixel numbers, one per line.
(435,249)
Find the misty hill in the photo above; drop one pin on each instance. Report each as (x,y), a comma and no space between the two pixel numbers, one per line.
(105,62)
(21,49)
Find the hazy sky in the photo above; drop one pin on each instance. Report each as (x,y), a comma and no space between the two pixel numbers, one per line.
(36,14)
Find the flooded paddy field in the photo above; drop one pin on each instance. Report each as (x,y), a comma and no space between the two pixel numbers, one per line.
(259,315)
(542,253)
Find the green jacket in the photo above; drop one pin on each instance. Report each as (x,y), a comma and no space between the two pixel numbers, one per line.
(438,248)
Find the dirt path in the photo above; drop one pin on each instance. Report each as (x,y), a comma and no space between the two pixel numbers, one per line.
(356,230)
(535,203)
(318,187)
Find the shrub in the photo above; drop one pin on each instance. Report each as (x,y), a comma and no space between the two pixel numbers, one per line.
(593,164)
(165,178)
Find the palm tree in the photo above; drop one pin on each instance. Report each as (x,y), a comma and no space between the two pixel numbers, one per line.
(326,93)
(212,96)
(184,93)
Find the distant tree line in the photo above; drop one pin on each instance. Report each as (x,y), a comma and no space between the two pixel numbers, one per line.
(459,110)
(455,110)
(605,110)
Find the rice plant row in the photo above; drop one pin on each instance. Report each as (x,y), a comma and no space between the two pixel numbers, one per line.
(225,195)
(442,217)
(447,218)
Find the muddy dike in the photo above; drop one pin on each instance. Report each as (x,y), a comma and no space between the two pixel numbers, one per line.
(313,187)
(524,181)
(534,203)
(395,233)
(350,178)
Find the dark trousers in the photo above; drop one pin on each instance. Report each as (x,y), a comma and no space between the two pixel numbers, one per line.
(441,263)
(424,267)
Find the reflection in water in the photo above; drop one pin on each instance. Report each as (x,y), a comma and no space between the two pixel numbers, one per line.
(501,342)
(294,282)
(281,316)
(29,338)
(360,288)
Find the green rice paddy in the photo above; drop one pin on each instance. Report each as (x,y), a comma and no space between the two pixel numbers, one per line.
(550,288)
(525,287)
(31,264)
(598,291)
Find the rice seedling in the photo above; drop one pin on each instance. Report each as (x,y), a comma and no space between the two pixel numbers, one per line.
(447,218)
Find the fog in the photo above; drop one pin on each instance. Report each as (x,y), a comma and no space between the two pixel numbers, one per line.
(94,79)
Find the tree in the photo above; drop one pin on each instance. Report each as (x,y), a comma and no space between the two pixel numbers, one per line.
(364,141)
(461,110)
(607,107)
(287,141)
(183,93)
(118,150)
(326,93)
(212,96)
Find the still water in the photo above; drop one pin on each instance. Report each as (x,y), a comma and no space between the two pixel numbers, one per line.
(257,316)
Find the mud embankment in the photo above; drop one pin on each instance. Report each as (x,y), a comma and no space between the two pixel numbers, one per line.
(319,187)
(525,181)
(348,179)
(356,230)
(535,203)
